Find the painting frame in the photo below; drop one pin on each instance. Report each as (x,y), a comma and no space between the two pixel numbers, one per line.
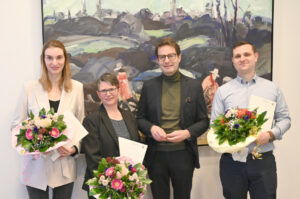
(128,39)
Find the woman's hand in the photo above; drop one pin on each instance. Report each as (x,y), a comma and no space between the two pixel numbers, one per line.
(64,151)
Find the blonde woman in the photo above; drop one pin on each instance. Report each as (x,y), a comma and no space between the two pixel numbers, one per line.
(54,89)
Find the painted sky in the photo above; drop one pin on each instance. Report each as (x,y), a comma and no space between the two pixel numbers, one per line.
(261,8)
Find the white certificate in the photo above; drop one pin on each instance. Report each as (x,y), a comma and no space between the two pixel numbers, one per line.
(134,150)
(262,105)
(80,131)
(74,125)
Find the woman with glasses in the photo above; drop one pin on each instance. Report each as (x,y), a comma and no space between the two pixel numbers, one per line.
(54,89)
(105,126)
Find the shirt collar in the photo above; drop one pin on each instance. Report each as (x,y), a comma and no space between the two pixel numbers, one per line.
(242,81)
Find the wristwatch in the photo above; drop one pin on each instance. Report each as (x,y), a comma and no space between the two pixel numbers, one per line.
(272,137)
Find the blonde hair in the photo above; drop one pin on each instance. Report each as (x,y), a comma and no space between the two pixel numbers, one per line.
(65,80)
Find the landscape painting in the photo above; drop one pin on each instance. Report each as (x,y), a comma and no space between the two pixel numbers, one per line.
(120,37)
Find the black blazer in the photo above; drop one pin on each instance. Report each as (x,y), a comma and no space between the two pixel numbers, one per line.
(193,114)
(102,140)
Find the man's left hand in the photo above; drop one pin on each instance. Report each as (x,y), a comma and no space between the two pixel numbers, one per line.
(263,138)
(178,136)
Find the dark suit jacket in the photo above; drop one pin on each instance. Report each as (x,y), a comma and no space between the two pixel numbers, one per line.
(102,140)
(193,114)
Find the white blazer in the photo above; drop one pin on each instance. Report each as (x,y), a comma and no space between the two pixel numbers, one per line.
(43,172)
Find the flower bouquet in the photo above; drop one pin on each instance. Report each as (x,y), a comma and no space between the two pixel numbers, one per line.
(118,178)
(234,130)
(40,133)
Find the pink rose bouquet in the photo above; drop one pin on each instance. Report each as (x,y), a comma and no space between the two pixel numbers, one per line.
(40,133)
(118,178)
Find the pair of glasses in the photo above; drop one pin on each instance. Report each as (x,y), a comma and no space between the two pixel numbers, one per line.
(106,91)
(171,57)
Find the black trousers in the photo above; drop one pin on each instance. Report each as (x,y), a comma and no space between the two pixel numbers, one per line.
(259,177)
(175,165)
(61,192)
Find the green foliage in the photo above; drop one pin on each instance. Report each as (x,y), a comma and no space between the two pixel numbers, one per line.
(31,115)
(51,111)
(42,112)
(102,166)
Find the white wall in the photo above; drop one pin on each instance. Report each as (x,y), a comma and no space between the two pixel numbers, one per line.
(20,46)
(21,43)
(286,75)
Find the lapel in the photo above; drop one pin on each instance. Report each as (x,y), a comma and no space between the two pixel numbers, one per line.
(107,123)
(158,94)
(130,125)
(41,97)
(64,101)
(184,94)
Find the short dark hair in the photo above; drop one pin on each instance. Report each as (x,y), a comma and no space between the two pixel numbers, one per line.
(241,43)
(110,78)
(167,41)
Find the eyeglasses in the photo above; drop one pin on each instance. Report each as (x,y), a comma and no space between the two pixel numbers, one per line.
(106,91)
(171,57)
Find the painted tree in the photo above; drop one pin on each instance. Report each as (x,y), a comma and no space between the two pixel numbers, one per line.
(228,27)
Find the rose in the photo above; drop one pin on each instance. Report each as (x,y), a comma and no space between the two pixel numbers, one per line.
(108,160)
(241,112)
(55,118)
(118,175)
(223,121)
(130,178)
(124,170)
(117,184)
(42,122)
(123,189)
(133,170)
(29,134)
(54,132)
(136,177)
(105,182)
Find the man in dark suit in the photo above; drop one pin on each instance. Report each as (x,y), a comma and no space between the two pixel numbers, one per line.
(171,114)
